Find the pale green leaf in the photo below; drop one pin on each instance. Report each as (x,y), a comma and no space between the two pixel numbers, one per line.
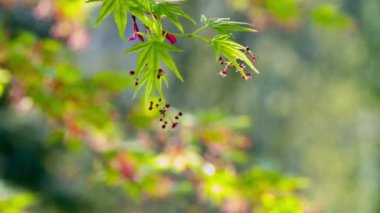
(121,16)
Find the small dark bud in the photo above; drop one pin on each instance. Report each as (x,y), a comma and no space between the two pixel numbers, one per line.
(163,126)
(180,114)
(176,117)
(160,73)
(132,72)
(174,125)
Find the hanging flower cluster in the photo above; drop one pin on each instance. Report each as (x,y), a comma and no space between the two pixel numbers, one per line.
(166,117)
(136,33)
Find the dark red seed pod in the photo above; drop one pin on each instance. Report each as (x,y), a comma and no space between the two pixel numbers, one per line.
(247,76)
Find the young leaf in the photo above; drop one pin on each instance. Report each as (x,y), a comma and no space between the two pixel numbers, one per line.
(105,10)
(119,8)
(121,16)
(225,25)
(151,54)
(232,51)
(171,11)
(137,47)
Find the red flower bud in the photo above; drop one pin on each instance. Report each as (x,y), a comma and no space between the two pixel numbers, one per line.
(171,38)
(135,31)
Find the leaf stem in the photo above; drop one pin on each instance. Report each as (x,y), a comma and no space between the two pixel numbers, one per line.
(200,29)
(194,34)
(190,35)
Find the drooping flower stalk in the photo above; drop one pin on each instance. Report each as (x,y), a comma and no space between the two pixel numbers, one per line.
(135,31)
(166,117)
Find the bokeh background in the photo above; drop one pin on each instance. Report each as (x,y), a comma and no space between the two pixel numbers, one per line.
(302,136)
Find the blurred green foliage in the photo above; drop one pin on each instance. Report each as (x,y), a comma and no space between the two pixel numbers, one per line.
(292,13)
(84,147)
(16,202)
(73,142)
(329,16)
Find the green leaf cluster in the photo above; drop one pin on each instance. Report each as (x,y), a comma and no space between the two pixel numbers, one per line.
(150,56)
(226,26)
(232,51)
(154,52)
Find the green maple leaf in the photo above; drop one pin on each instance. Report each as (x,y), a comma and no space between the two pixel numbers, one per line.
(119,8)
(151,55)
(225,25)
(232,51)
(172,12)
